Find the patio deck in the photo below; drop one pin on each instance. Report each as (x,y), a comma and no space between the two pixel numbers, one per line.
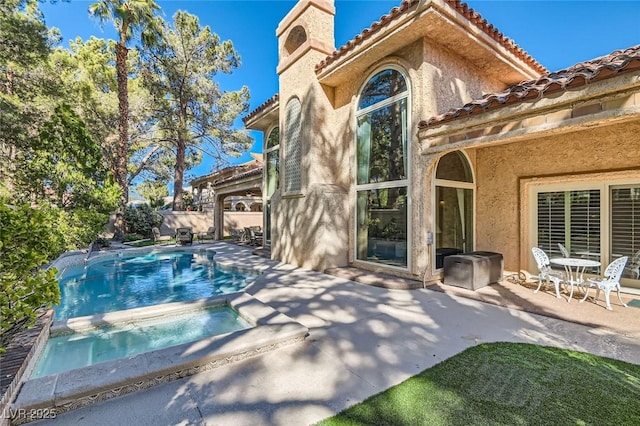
(625,321)
(362,340)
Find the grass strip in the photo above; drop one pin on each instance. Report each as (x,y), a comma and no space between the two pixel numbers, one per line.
(508,384)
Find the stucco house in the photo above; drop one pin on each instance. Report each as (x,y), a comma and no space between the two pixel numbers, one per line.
(431,133)
(233,195)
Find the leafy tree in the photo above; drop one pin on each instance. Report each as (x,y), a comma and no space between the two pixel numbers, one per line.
(63,169)
(89,70)
(154,191)
(130,17)
(25,82)
(28,239)
(140,219)
(193,114)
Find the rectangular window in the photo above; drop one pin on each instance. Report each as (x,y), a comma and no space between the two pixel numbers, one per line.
(382,225)
(571,218)
(625,227)
(382,152)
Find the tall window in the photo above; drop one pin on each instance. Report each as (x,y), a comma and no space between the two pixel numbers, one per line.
(272,152)
(382,170)
(454,206)
(293,146)
(599,221)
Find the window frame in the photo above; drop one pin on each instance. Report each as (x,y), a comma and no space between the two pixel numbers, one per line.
(402,183)
(266,203)
(603,183)
(457,184)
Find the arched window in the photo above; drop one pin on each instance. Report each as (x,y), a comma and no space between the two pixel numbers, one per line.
(382,170)
(454,206)
(297,36)
(293,146)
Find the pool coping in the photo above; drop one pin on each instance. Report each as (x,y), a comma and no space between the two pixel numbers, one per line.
(81,387)
(79,258)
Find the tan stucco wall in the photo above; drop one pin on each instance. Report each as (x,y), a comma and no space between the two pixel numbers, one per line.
(501,171)
(240,220)
(438,79)
(198,221)
(315,228)
(309,228)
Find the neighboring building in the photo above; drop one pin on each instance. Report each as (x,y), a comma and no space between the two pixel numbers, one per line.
(430,133)
(232,189)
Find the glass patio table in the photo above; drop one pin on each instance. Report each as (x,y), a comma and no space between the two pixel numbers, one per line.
(574,270)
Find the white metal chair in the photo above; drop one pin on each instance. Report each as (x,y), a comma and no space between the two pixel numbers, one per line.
(610,281)
(545,273)
(563,250)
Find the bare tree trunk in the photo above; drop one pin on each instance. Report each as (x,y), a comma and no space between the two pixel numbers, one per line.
(122,149)
(178,180)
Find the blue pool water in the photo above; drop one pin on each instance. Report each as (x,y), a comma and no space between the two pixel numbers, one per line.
(77,350)
(127,282)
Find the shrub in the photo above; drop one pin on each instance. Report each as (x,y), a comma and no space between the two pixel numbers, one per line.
(29,238)
(132,237)
(140,219)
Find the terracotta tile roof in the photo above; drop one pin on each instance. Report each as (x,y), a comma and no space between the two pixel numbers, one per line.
(261,108)
(581,74)
(239,176)
(460,7)
(227,173)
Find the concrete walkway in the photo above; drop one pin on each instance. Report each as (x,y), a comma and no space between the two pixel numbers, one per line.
(362,340)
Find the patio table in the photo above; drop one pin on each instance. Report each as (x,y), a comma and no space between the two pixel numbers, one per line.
(574,268)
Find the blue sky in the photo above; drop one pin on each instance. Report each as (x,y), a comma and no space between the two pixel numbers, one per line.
(557,34)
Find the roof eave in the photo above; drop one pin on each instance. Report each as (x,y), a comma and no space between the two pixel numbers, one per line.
(616,99)
(440,24)
(263,119)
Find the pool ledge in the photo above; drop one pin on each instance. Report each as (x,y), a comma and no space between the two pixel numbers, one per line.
(78,388)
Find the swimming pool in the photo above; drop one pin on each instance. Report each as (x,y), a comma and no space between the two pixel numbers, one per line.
(79,387)
(68,351)
(129,280)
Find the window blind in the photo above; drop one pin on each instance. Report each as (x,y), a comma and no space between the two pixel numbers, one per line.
(571,218)
(625,221)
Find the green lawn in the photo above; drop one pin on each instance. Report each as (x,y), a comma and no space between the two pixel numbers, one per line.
(508,384)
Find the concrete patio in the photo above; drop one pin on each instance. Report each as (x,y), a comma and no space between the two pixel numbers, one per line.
(362,340)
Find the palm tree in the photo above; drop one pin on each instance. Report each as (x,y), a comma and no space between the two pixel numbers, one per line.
(130,17)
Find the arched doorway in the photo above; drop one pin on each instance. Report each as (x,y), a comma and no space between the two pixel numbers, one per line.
(454,211)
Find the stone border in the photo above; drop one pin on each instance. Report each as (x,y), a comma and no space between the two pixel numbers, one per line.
(78,388)
(34,339)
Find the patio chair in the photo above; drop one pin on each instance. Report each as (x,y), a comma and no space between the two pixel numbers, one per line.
(236,235)
(157,238)
(545,272)
(610,281)
(184,236)
(209,235)
(563,250)
(255,237)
